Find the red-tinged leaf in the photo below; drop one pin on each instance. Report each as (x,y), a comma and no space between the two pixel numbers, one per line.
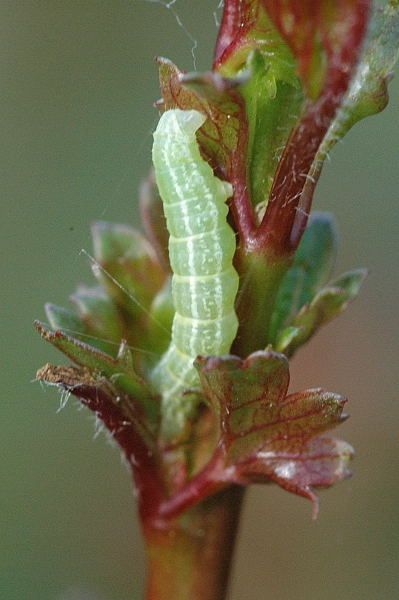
(324,36)
(212,95)
(341,28)
(249,396)
(223,137)
(247,27)
(230,384)
(239,18)
(265,435)
(299,416)
(300,467)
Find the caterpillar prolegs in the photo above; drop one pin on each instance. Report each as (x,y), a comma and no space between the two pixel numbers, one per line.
(201,250)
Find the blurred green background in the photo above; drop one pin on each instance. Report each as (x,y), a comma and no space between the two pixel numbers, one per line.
(77,86)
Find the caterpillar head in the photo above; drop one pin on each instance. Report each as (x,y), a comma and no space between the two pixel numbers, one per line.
(178,123)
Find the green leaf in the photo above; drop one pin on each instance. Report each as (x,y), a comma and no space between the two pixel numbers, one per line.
(286,337)
(90,326)
(130,271)
(328,303)
(127,266)
(271,88)
(117,370)
(66,320)
(100,316)
(273,100)
(368,92)
(311,269)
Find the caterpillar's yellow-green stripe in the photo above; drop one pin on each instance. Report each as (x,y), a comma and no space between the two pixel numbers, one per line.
(201,249)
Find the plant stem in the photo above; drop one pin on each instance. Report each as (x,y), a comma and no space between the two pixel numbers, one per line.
(190,559)
(260,276)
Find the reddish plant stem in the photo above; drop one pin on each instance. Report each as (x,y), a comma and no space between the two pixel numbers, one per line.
(157,510)
(288,209)
(241,206)
(190,558)
(293,188)
(140,456)
(201,486)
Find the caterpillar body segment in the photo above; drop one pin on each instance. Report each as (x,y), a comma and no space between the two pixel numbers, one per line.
(201,250)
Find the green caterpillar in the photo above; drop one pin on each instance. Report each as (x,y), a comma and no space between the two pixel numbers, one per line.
(201,249)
